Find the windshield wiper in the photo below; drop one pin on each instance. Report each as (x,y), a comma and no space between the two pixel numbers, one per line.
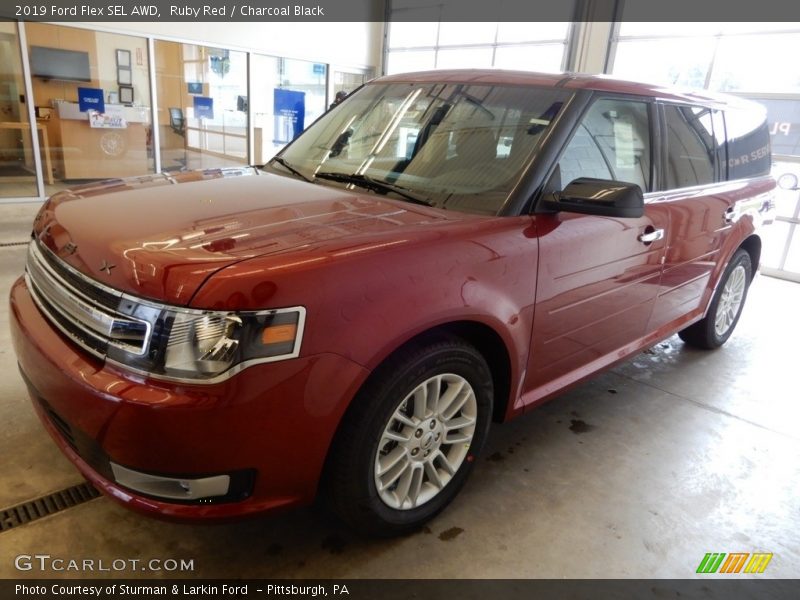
(377,185)
(282,162)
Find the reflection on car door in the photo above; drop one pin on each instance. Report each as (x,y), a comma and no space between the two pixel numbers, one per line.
(598,277)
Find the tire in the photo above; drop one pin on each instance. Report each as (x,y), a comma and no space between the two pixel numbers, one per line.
(726,306)
(394,436)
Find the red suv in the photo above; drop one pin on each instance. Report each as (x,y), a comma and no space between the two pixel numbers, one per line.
(439,251)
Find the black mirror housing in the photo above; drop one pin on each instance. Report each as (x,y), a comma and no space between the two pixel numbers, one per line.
(600,197)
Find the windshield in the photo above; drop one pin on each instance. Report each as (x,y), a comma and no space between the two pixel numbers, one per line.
(454,146)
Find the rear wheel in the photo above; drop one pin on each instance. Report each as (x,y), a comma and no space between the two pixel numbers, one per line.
(408,444)
(726,306)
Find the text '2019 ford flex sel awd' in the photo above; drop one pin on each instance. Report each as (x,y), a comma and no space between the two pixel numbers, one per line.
(439,251)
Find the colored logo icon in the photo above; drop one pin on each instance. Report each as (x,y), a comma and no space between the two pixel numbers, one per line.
(734,562)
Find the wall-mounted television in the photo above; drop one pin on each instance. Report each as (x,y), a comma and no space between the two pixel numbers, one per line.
(64,65)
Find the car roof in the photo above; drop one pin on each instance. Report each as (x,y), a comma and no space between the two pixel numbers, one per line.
(573,81)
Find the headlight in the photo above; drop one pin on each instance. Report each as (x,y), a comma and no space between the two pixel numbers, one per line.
(205,346)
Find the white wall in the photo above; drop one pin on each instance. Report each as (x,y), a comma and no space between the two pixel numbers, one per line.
(344,44)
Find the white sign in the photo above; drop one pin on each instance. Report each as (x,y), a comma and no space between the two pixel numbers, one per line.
(111,119)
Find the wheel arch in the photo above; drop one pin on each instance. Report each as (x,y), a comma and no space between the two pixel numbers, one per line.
(496,348)
(752,245)
(483,337)
(489,343)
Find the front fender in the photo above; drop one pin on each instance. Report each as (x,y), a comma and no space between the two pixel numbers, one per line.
(366,301)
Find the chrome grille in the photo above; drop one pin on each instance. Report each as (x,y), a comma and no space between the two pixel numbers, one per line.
(85,311)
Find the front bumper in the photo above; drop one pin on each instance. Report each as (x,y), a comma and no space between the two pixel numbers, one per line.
(272,422)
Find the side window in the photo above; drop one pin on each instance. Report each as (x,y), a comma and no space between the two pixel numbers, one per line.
(748,143)
(691,148)
(611,142)
(582,158)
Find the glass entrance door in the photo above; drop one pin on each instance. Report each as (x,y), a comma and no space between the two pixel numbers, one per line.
(17,164)
(203,106)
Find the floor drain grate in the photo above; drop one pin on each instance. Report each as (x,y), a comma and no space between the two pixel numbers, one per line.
(46,505)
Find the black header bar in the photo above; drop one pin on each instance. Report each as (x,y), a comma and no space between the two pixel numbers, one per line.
(401,10)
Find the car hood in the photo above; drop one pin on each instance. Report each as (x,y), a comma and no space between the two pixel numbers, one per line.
(162,236)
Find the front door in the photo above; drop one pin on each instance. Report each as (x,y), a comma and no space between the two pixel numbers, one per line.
(598,277)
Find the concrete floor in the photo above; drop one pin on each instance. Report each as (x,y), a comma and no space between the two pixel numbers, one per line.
(636,474)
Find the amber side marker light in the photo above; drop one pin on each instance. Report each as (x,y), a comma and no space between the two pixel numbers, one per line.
(279,334)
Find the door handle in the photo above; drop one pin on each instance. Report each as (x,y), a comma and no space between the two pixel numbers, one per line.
(651,236)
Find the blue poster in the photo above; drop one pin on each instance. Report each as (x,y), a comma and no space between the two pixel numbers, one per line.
(203,107)
(290,115)
(91,99)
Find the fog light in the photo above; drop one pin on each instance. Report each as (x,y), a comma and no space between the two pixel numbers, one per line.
(173,488)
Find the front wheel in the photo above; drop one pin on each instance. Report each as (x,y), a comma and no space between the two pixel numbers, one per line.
(726,306)
(408,444)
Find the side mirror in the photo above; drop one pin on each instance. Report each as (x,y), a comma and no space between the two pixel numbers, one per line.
(600,197)
(788,181)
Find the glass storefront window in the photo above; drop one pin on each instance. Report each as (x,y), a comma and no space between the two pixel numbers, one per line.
(347,82)
(97,116)
(92,94)
(464,58)
(454,45)
(531,32)
(793,256)
(309,78)
(17,166)
(202,106)
(536,57)
(287,96)
(727,57)
(737,68)
(678,61)
(264,82)
(415,33)
(452,34)
(408,61)
(667,28)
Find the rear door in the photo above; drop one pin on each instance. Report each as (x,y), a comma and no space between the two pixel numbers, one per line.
(598,276)
(700,209)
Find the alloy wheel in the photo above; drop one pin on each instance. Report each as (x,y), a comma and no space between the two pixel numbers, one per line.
(425,441)
(730,301)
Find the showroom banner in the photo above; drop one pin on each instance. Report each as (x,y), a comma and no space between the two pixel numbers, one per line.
(290,114)
(376,10)
(403,589)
